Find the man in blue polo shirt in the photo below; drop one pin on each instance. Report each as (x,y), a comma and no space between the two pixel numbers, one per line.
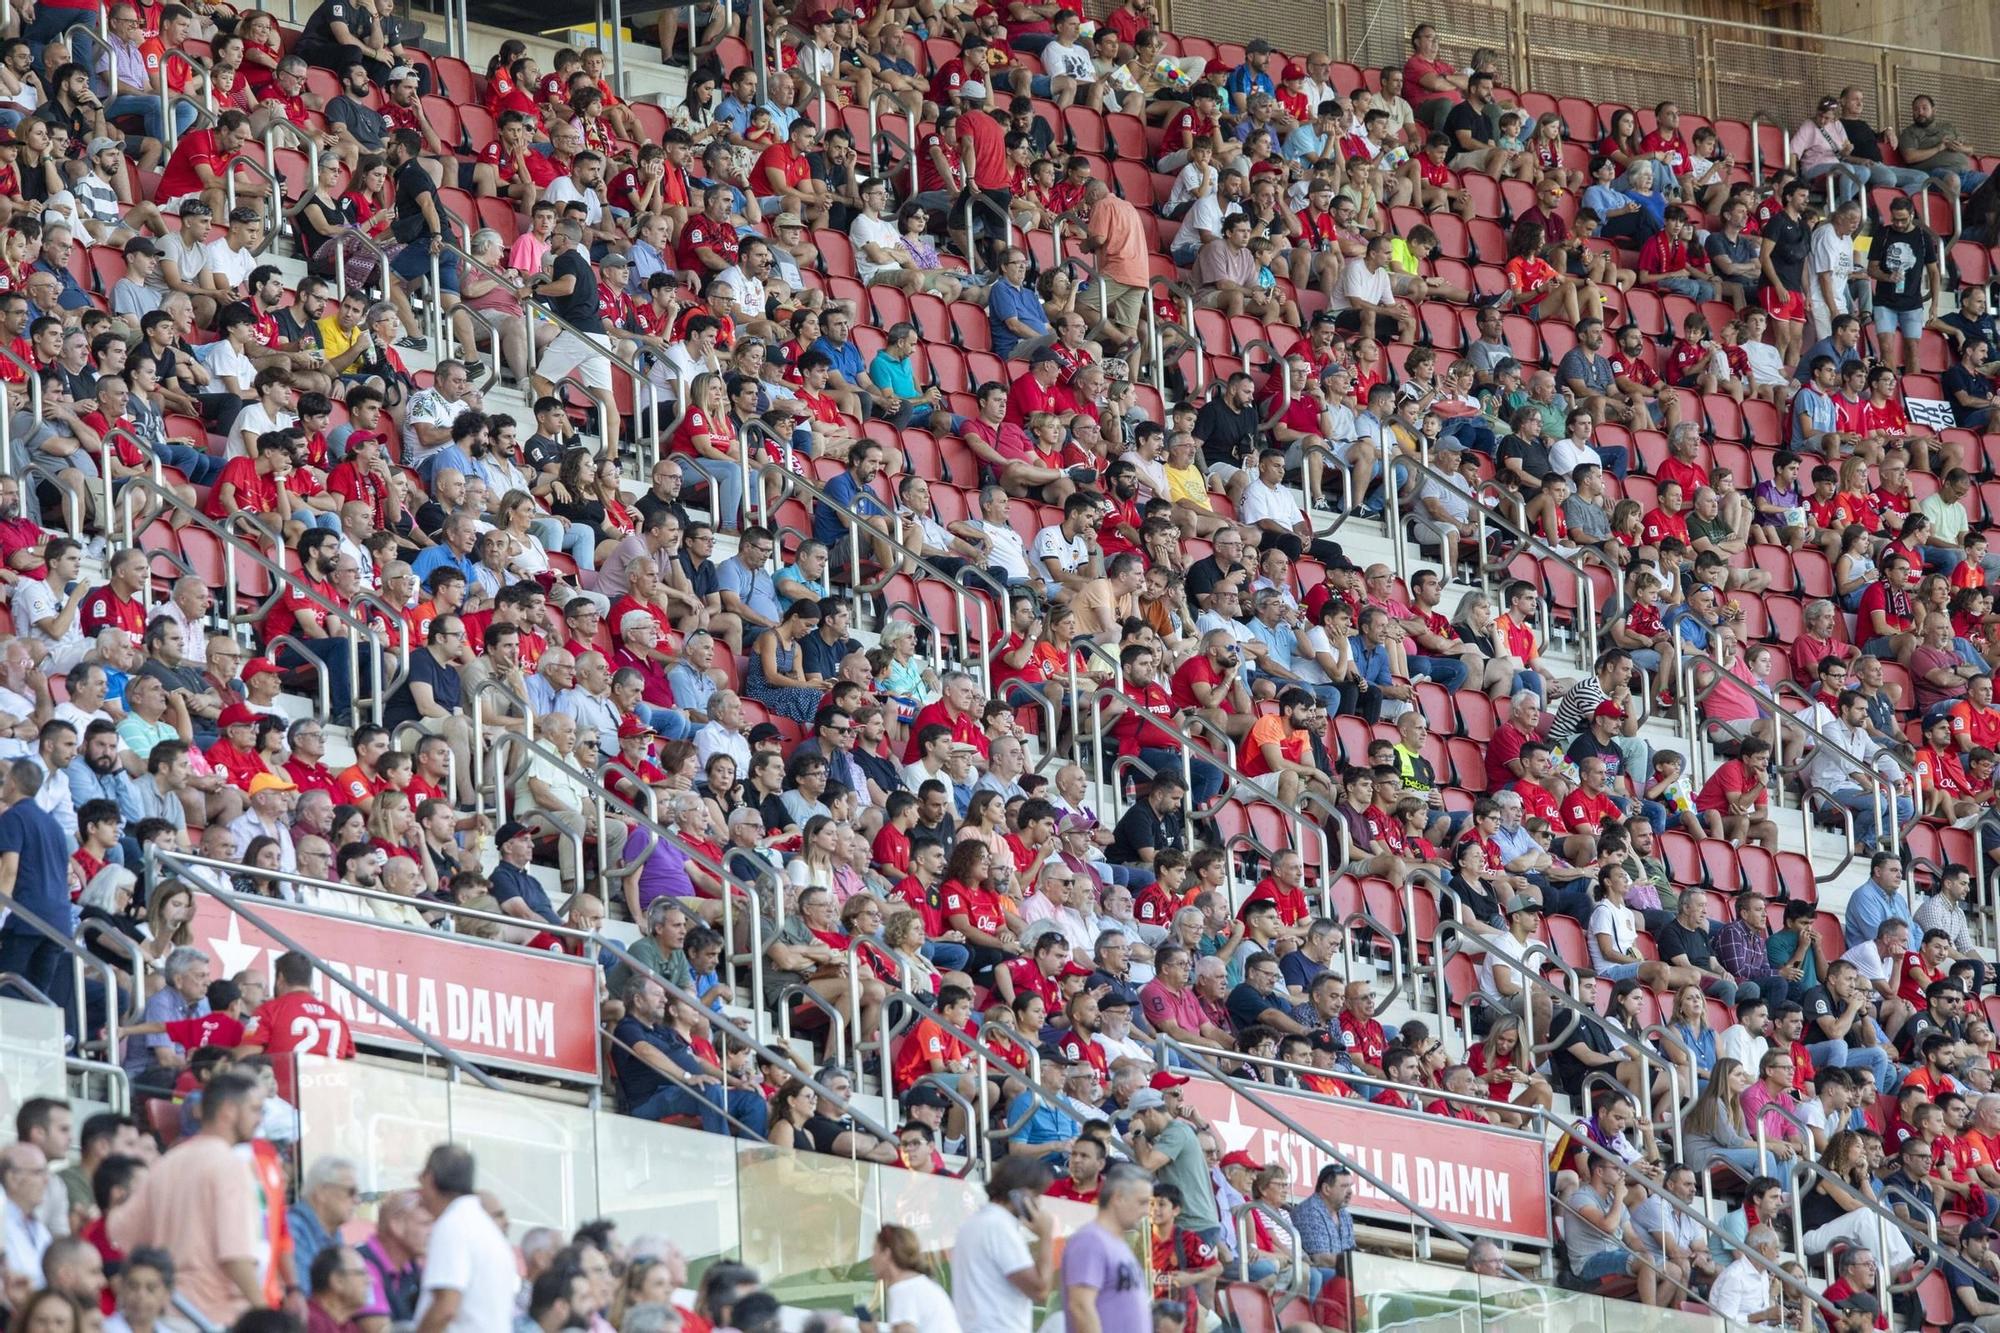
(853,498)
(34,871)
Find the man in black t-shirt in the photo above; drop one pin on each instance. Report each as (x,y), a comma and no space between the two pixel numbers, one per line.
(341,34)
(1782,255)
(1224,563)
(665,493)
(570,293)
(1470,125)
(1230,432)
(1904,262)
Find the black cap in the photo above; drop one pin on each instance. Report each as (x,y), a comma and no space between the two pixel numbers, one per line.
(764,731)
(511,830)
(925,1094)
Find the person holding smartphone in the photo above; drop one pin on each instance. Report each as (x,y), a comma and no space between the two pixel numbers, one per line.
(1003,1259)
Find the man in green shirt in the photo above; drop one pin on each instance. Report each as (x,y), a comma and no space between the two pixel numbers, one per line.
(1169,1148)
(660,949)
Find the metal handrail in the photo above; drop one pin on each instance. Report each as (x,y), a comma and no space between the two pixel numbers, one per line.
(321,686)
(1793,1284)
(168,97)
(275,221)
(282,578)
(156,857)
(1484,514)
(84,961)
(876,135)
(1421,1220)
(33,379)
(1240,1217)
(779,1056)
(72,503)
(600,343)
(119,942)
(1888,823)
(674,1074)
(119,1082)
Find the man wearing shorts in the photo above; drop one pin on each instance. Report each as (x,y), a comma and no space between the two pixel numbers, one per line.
(1602,1241)
(570,293)
(1782,256)
(1115,233)
(1904,262)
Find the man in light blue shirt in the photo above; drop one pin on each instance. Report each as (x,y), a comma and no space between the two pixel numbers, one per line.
(1384,698)
(1280,641)
(746,585)
(1815,414)
(1877,899)
(1014,313)
(1049,1128)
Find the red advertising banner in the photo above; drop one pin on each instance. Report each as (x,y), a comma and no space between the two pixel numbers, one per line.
(1483,1181)
(491,1004)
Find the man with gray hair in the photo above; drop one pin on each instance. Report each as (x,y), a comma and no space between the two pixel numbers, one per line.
(327,1200)
(554,673)
(428,418)
(589,701)
(724,733)
(1745,1292)
(154,1059)
(569,291)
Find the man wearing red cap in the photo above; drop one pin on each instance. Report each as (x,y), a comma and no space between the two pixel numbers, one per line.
(633,764)
(236,753)
(261,680)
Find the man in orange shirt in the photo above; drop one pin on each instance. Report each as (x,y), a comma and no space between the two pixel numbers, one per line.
(1115,233)
(359,784)
(1975,722)
(1278,752)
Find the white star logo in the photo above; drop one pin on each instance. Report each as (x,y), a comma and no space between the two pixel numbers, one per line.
(232,951)
(1236,1136)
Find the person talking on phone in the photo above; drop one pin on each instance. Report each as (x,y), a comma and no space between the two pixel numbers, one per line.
(1003,1259)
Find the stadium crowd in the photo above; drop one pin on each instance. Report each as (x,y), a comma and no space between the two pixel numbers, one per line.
(1691,382)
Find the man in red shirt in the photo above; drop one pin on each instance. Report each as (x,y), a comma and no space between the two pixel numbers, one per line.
(1589,808)
(1668,520)
(256,485)
(1503,753)
(982,143)
(1886,616)
(1037,972)
(121,603)
(1975,722)
(293,1023)
(1086,1170)
(784,173)
(707,243)
(1361,1031)
(1210,682)
(1537,787)
(201,164)
(302,613)
(1666,139)
(952,711)
(511,165)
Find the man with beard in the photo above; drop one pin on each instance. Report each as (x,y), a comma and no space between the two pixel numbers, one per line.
(303,616)
(96,774)
(560,1299)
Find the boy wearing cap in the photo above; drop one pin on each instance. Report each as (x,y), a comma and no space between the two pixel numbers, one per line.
(105,221)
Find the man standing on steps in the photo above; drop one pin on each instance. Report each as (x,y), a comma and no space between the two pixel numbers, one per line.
(569,290)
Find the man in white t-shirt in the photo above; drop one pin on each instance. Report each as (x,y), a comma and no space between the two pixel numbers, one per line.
(48,610)
(1063,551)
(877,244)
(586,173)
(1202,222)
(1829,266)
(1268,504)
(469,1273)
(997,1272)
(270,412)
(746,281)
(1067,58)
(1746,1040)
(234,253)
(1365,298)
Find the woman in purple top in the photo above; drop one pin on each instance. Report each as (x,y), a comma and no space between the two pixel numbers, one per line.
(655,869)
(1104,1288)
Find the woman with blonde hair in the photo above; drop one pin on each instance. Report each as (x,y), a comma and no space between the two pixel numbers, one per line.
(912,1300)
(1715,1127)
(1491,670)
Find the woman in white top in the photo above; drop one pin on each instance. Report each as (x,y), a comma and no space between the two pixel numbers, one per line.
(526,557)
(912,1301)
(813,867)
(1614,935)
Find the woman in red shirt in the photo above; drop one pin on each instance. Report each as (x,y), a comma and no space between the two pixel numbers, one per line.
(1536,286)
(1495,1060)
(971,907)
